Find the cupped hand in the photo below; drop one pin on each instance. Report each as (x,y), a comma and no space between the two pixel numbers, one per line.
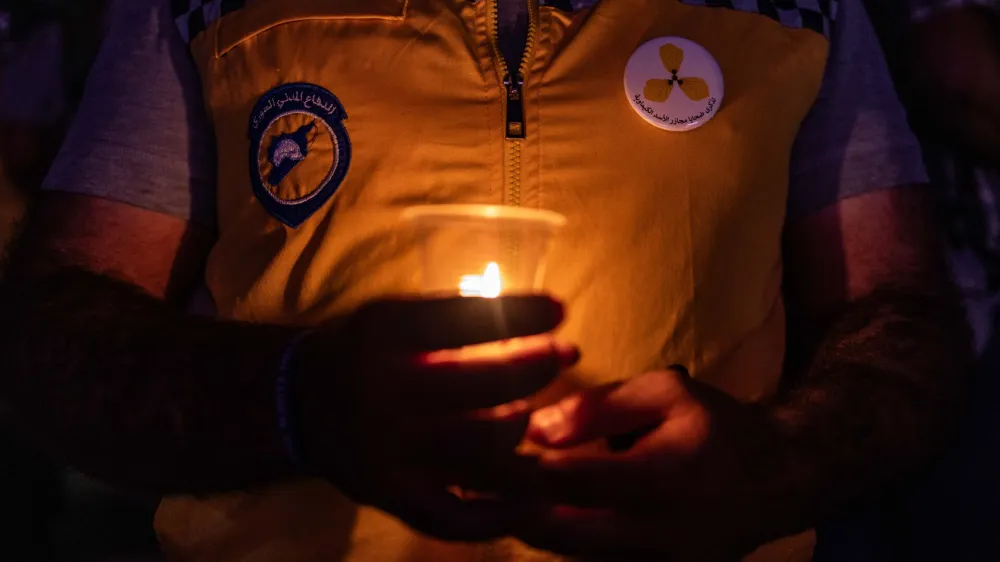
(683,479)
(397,407)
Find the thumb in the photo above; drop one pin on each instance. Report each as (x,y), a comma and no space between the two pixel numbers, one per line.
(594,414)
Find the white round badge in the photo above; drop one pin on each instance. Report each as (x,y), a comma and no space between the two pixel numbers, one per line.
(674,83)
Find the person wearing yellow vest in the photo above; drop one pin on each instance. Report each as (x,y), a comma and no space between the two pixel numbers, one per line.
(725,168)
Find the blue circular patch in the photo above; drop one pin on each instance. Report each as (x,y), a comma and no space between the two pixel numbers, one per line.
(299,150)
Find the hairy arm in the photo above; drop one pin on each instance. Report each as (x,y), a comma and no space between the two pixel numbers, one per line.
(883,350)
(102,369)
(101,366)
(694,474)
(103,372)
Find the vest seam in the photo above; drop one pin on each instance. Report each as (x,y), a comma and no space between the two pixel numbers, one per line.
(219,52)
(544,34)
(483,54)
(694,355)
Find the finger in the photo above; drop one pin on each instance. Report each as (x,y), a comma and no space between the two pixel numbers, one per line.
(621,408)
(626,441)
(486,375)
(432,510)
(490,354)
(429,324)
(587,475)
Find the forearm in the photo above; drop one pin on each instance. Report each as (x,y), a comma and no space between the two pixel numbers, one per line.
(126,389)
(879,395)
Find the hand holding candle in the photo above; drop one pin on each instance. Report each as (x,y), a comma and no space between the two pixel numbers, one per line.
(484,251)
(391,399)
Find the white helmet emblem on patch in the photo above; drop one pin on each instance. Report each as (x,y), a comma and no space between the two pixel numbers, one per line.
(287,150)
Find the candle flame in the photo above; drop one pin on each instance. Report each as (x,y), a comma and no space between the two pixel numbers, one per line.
(487,285)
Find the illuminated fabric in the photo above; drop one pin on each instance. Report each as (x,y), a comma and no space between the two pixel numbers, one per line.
(673,249)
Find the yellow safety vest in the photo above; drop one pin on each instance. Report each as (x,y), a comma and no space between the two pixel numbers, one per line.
(672,252)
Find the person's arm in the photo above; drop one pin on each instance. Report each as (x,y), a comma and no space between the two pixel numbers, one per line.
(708,476)
(118,200)
(873,378)
(886,349)
(101,371)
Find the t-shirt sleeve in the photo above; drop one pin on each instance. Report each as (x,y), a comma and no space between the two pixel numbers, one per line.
(141,135)
(856,138)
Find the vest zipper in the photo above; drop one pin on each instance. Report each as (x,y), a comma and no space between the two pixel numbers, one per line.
(513,89)
(515,106)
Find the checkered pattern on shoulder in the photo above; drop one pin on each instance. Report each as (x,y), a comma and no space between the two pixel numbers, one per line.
(568,5)
(816,15)
(194,16)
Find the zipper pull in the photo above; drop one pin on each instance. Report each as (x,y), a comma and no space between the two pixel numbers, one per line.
(515,106)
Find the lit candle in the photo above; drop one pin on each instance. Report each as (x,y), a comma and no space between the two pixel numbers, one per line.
(487,285)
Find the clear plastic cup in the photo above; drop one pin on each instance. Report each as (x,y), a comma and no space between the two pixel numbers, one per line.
(483,250)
